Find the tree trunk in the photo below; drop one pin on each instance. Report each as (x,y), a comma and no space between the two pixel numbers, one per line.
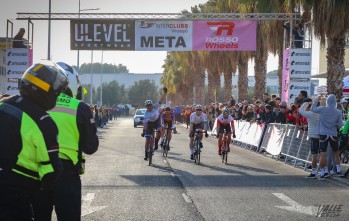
(210,86)
(228,77)
(243,79)
(260,73)
(200,86)
(335,65)
(217,85)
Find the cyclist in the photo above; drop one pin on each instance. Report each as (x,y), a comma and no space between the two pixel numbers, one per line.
(198,120)
(152,121)
(225,122)
(168,118)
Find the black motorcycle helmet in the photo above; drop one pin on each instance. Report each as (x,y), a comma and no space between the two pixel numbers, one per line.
(43,83)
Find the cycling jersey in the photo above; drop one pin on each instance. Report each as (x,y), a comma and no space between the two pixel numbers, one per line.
(196,119)
(224,122)
(153,115)
(168,117)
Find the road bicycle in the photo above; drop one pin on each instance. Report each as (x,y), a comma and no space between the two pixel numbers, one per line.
(151,144)
(165,142)
(198,145)
(225,148)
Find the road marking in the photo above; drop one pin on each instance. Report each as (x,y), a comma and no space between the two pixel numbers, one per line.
(294,206)
(186,198)
(86,207)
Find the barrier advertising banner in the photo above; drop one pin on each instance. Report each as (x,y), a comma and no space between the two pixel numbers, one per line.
(108,34)
(163,35)
(224,35)
(167,35)
(300,63)
(17,62)
(295,87)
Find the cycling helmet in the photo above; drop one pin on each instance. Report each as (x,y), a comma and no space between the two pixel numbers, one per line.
(167,109)
(198,107)
(148,102)
(74,88)
(43,82)
(226,111)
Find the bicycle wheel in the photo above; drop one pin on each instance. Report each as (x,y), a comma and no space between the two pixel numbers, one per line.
(197,152)
(164,147)
(150,153)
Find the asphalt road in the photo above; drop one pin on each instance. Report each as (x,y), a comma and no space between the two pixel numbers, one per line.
(119,184)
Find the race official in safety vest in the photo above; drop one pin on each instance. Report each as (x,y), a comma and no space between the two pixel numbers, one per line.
(77,135)
(29,147)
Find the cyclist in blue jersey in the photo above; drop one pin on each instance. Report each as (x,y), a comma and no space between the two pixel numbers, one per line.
(152,120)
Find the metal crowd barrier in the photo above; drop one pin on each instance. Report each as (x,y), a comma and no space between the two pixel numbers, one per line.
(283,141)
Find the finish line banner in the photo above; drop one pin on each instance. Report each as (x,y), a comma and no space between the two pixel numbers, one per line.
(169,35)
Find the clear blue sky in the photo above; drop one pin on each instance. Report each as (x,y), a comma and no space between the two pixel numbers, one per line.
(137,62)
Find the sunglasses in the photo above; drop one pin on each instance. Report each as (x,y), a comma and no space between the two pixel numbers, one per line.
(198,109)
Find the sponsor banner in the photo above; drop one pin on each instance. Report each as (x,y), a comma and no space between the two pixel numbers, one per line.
(300,63)
(320,90)
(163,35)
(107,34)
(224,35)
(285,74)
(17,61)
(295,87)
(12,86)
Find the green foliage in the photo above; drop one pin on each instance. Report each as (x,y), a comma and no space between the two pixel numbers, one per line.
(107,68)
(142,90)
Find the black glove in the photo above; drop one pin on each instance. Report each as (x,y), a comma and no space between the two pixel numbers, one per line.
(206,135)
(234,136)
(165,90)
(142,134)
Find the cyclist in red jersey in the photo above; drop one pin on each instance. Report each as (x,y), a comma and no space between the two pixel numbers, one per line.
(225,122)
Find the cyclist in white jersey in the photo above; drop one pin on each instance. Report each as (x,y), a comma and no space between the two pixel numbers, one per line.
(152,120)
(198,120)
(225,122)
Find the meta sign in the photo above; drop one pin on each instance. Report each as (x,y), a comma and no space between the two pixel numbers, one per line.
(166,35)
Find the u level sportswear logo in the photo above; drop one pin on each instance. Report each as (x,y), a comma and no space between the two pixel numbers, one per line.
(222,26)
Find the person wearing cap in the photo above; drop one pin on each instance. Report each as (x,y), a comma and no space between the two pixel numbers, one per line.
(29,146)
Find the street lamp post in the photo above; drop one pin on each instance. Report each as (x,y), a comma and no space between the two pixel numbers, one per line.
(91,77)
(80,10)
(102,80)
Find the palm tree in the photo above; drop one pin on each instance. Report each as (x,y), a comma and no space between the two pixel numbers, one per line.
(331,24)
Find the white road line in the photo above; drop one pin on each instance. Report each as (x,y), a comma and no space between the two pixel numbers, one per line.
(294,206)
(186,198)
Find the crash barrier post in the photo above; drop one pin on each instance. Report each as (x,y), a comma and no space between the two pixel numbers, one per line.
(277,140)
